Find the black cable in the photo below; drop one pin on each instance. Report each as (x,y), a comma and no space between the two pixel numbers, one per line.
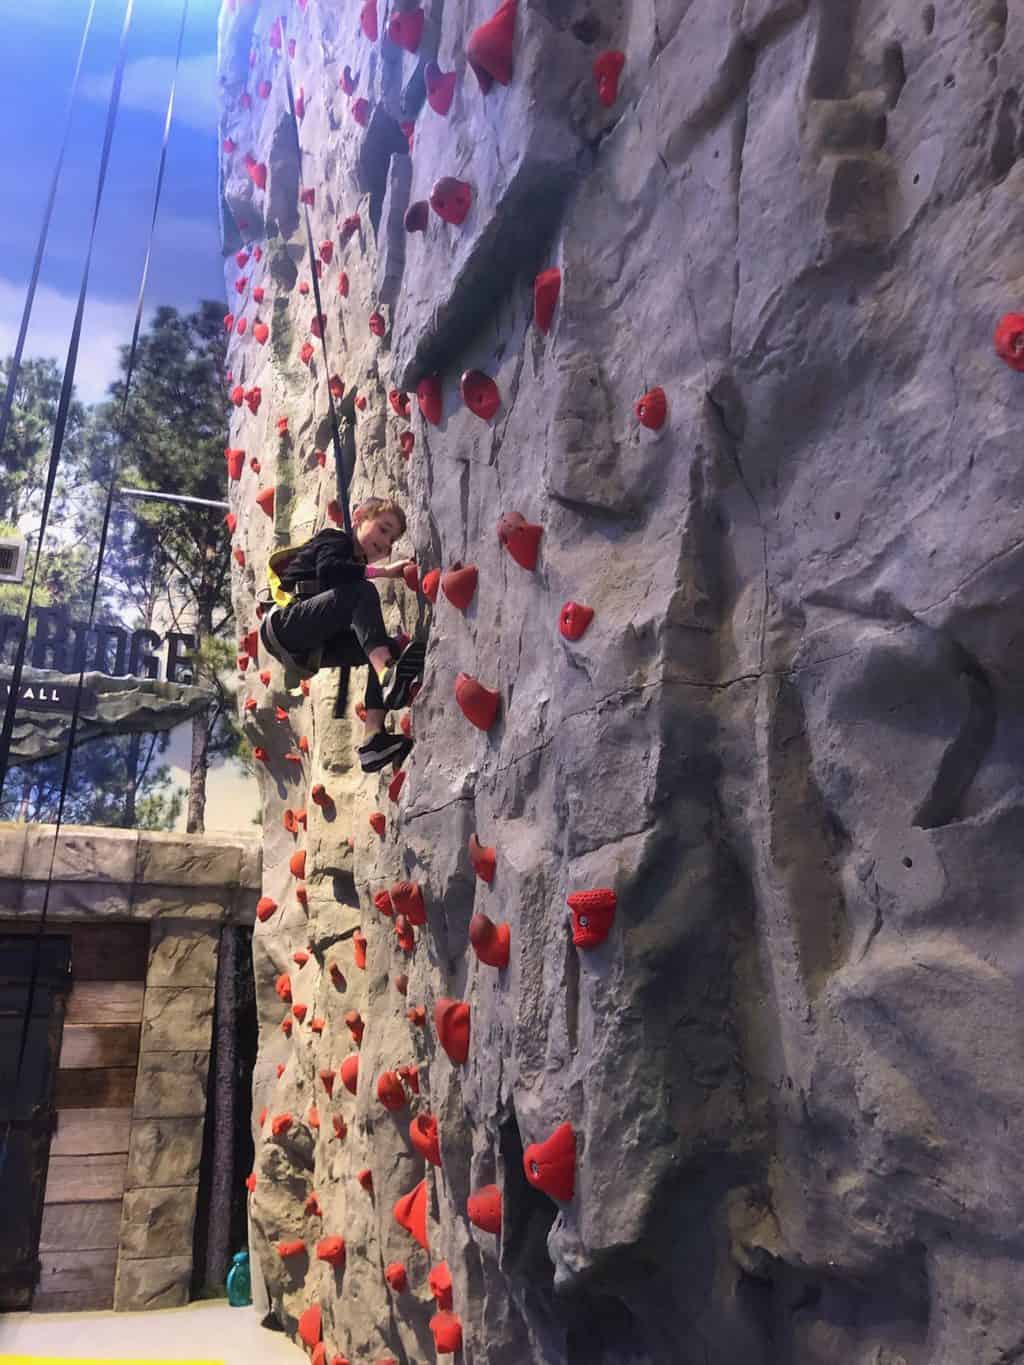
(12,376)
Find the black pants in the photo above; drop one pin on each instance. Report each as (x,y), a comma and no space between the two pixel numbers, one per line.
(343,625)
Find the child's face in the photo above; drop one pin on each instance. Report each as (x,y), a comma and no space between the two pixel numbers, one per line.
(377,535)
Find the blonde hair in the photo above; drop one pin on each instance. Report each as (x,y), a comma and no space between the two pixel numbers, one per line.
(376,507)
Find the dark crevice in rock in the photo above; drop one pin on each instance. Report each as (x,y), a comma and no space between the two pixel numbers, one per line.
(384,139)
(894,73)
(527,1216)
(965,756)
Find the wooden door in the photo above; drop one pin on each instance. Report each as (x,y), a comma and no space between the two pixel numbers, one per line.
(28,1069)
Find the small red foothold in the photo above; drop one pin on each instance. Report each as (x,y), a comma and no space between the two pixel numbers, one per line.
(411,577)
(390,1091)
(489,50)
(321,458)
(307,197)
(430,584)
(321,797)
(343,285)
(311,1325)
(240,326)
(447,1330)
(259,176)
(312,1204)
(477,703)
(265,676)
(300,98)
(395,785)
(382,901)
(551,1165)
(404,934)
(607,70)
(350,1072)
(236,462)
(483,859)
(520,538)
(378,822)
(242,660)
(430,398)
(253,398)
(306,352)
(355,1025)
(396,1277)
(377,324)
(440,88)
(416,1014)
(459,584)
(250,1181)
(368,20)
(490,941)
(240,284)
(1009,340)
(280,1124)
(407,898)
(238,395)
(406,29)
(348,81)
(546,288)
(451,199)
(440,1282)
(257,253)
(484,1208)
(340,1127)
(451,1019)
(286,1249)
(304,288)
(331,1250)
(300,1011)
(411,1213)
(265,907)
(326,251)
(361,111)
(302,896)
(280,1070)
(327,1076)
(250,704)
(573,620)
(424,1136)
(652,409)
(592,915)
(229,321)
(283,987)
(317,325)
(365,1178)
(300,957)
(405,444)
(257,297)
(337,387)
(265,501)
(399,402)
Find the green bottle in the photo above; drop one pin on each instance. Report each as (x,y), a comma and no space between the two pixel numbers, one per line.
(239,1281)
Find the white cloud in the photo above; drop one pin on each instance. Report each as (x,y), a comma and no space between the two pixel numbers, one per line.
(147,83)
(107,325)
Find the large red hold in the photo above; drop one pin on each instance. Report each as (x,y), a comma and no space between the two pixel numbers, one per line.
(477,703)
(407,899)
(405,29)
(521,538)
(350,1072)
(652,409)
(430,398)
(480,394)
(490,941)
(546,288)
(607,70)
(382,902)
(490,47)
(592,915)
(294,1248)
(411,1213)
(390,1090)
(331,1250)
(459,584)
(261,331)
(483,859)
(423,1134)
(484,1208)
(368,20)
(311,1326)
(1009,340)
(451,199)
(551,1165)
(236,463)
(265,907)
(447,1330)
(573,620)
(297,863)
(378,823)
(440,1282)
(430,584)
(440,88)
(451,1019)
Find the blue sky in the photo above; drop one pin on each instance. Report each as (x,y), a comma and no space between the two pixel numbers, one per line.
(41,40)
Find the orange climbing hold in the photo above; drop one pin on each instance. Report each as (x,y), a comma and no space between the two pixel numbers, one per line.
(297,863)
(551,1165)
(490,48)
(546,288)
(286,1249)
(451,1019)
(350,1072)
(378,822)
(407,899)
(484,860)
(430,398)
(652,409)
(480,394)
(484,1208)
(477,703)
(280,1124)
(1009,340)
(318,1025)
(265,907)
(359,950)
(250,1181)
(447,1330)
(396,1277)
(451,199)
(430,584)
(283,987)
(331,1250)
(300,957)
(459,584)
(424,1136)
(440,1282)
(236,462)
(300,1011)
(607,70)
(265,676)
(396,784)
(311,1325)
(411,1213)
(354,1024)
(491,942)
(521,538)
(592,915)
(573,620)
(251,704)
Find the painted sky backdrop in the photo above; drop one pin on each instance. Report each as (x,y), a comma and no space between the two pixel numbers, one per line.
(41,40)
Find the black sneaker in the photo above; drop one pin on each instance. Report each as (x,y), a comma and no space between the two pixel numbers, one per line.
(381,750)
(403,675)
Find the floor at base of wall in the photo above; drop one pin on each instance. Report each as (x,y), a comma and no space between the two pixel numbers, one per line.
(202,1331)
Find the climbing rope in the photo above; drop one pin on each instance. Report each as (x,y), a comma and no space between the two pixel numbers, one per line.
(69,374)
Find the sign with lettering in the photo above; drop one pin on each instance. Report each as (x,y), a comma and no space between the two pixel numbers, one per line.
(36,696)
(66,646)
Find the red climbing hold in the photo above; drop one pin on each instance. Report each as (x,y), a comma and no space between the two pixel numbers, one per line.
(240,326)
(304,288)
(459,584)
(430,399)
(483,860)
(430,584)
(337,387)
(411,1076)
(592,915)
(368,20)
(300,103)
(312,1204)
(354,1024)
(250,1181)
(403,932)
(546,288)
(416,1014)
(306,353)
(390,1091)
(484,1208)
(652,409)
(318,1025)
(411,1213)
(297,863)
(440,88)
(1009,340)
(286,1249)
(396,784)
(401,983)
(238,395)
(240,284)
(283,987)
(396,1277)
(280,1124)
(327,1076)
(451,199)
(229,321)
(382,901)
(573,620)
(440,1282)
(411,577)
(257,297)
(361,111)
(520,538)
(416,217)
(377,324)
(490,47)
(407,898)
(447,1330)
(259,176)
(265,907)
(242,661)
(348,81)
(300,957)
(451,1019)
(477,703)
(378,823)
(399,402)
(406,29)
(423,1134)
(253,398)
(490,941)
(288,818)
(350,1072)
(340,1127)
(300,1011)
(480,394)
(317,325)
(607,70)
(236,462)
(265,676)
(551,1165)
(302,896)
(307,197)
(250,704)
(265,501)
(365,1178)
(311,1325)
(326,251)
(337,976)
(331,1250)
(321,797)
(405,444)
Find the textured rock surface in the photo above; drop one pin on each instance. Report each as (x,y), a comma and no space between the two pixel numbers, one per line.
(788,739)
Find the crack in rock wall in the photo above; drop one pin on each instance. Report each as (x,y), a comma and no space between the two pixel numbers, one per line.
(788,739)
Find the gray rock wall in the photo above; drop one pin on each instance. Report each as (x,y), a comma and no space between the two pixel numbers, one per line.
(789,739)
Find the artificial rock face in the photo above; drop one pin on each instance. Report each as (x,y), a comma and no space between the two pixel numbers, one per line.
(766,440)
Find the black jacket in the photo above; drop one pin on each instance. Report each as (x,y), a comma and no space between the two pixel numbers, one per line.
(330,558)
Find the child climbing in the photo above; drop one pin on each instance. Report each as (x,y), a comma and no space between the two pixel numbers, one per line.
(327,614)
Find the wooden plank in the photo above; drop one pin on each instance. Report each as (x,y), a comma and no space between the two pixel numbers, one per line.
(73,1179)
(91,1132)
(81,1227)
(85,1301)
(76,1272)
(99,952)
(113,1088)
(99,1045)
(106,1002)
